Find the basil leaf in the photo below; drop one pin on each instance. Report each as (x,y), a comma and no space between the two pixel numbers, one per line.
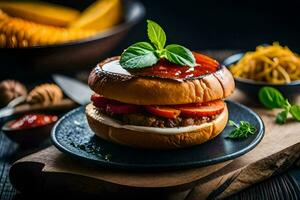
(138,55)
(271,97)
(179,55)
(281,117)
(156,34)
(295,111)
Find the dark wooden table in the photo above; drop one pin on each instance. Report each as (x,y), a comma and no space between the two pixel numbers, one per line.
(7,149)
(9,153)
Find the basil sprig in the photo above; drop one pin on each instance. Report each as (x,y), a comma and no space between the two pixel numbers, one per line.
(242,130)
(145,54)
(272,98)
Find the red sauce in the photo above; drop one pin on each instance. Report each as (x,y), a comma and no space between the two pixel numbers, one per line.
(32,120)
(166,69)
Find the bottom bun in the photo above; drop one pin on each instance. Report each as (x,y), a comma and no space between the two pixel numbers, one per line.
(153,137)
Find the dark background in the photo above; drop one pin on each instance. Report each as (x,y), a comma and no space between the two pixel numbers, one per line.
(201,25)
(217,24)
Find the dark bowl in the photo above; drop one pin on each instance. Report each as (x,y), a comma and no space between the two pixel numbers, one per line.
(70,55)
(30,137)
(251,87)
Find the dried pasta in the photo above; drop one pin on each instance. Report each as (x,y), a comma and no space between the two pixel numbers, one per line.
(273,64)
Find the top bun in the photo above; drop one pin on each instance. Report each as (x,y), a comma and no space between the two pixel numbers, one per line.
(141,90)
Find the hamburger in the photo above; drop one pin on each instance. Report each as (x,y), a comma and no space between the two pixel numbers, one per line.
(159,97)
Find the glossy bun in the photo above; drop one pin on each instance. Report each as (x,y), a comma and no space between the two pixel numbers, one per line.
(159,91)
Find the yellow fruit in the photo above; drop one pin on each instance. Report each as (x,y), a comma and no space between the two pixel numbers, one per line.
(17,32)
(40,12)
(99,16)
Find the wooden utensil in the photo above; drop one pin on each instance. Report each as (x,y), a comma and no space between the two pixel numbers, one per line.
(29,108)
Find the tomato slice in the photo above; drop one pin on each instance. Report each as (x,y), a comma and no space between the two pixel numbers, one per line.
(113,106)
(99,101)
(203,59)
(163,111)
(201,110)
(122,108)
(188,110)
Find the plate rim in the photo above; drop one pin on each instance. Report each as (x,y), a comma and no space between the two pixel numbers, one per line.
(259,136)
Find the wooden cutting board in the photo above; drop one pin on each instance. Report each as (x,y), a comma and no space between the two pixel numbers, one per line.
(50,170)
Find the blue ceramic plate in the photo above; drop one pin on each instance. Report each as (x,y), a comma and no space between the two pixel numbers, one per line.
(73,136)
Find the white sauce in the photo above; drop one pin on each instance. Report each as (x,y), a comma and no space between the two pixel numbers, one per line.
(115,67)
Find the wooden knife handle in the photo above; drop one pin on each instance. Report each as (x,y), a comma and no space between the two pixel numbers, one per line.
(25,108)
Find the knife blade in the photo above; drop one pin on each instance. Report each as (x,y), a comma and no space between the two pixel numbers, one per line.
(6,112)
(74,89)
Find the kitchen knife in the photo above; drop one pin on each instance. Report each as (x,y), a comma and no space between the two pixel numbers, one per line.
(74,89)
(27,108)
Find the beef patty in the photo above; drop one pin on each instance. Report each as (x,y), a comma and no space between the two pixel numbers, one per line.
(147,119)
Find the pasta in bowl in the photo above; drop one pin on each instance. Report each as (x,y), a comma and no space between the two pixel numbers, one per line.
(269,65)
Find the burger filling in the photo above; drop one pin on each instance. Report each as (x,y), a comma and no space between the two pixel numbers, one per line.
(159,116)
